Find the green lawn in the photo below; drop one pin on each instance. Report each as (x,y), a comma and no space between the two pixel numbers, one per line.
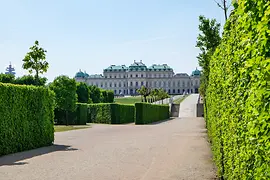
(128,100)
(61,128)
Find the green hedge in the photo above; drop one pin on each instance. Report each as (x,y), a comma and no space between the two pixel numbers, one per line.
(149,113)
(26,118)
(111,113)
(82,113)
(238,95)
(78,117)
(99,113)
(123,113)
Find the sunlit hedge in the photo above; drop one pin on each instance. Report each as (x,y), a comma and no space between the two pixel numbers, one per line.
(26,118)
(238,96)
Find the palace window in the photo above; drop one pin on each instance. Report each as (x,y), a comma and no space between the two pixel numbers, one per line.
(136,83)
(141,83)
(141,75)
(119,84)
(115,85)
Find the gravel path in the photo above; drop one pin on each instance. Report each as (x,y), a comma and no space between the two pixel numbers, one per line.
(171,150)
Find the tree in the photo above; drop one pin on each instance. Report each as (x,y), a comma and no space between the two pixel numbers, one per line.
(110,96)
(162,94)
(65,94)
(7,78)
(104,96)
(144,92)
(224,5)
(95,94)
(83,92)
(35,60)
(208,40)
(30,80)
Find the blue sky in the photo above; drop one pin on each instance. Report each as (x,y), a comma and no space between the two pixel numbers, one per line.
(92,34)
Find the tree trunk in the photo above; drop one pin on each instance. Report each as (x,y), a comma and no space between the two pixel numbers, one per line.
(225,9)
(36,77)
(145,99)
(67,118)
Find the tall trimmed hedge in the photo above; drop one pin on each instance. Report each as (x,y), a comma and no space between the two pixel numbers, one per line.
(111,113)
(122,113)
(238,96)
(26,118)
(78,117)
(149,113)
(99,113)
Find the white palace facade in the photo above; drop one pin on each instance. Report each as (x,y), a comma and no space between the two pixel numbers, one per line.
(125,80)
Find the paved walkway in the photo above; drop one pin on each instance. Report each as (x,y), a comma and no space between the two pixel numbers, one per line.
(171,150)
(188,106)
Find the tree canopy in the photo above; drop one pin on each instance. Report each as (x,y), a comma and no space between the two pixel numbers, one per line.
(207,41)
(35,60)
(65,93)
(83,92)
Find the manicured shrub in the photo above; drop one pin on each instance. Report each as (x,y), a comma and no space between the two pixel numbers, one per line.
(122,113)
(149,113)
(99,113)
(110,113)
(26,118)
(82,113)
(238,95)
(78,117)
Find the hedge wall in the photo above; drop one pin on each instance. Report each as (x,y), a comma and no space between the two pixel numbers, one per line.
(78,117)
(111,113)
(26,118)
(122,113)
(238,96)
(149,113)
(99,113)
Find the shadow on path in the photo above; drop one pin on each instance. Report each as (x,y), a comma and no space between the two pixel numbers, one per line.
(12,159)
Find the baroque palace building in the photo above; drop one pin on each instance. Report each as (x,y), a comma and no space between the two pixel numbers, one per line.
(125,80)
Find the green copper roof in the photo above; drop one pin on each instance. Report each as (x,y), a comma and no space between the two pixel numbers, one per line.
(196,72)
(80,74)
(159,67)
(116,68)
(137,66)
